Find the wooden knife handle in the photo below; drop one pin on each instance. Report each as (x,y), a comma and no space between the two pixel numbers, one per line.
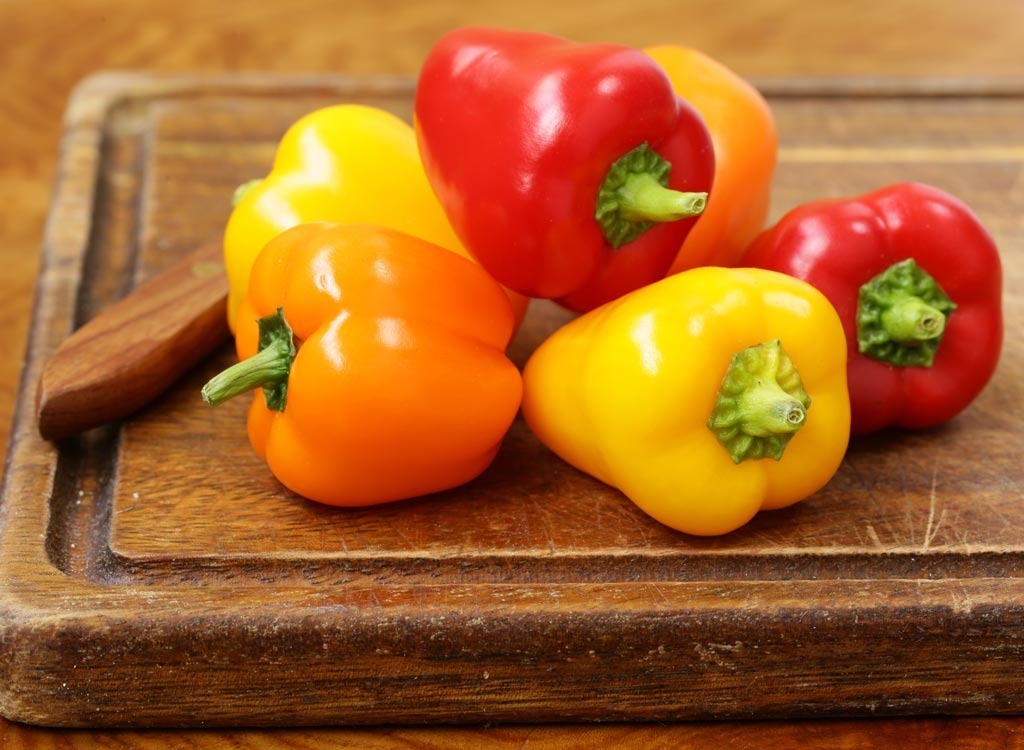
(135,349)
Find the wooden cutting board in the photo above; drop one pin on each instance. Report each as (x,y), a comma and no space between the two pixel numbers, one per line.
(154,573)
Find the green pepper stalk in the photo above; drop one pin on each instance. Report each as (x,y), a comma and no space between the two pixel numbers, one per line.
(761,404)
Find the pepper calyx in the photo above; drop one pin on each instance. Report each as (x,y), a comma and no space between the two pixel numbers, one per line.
(761,403)
(635,196)
(267,369)
(901,316)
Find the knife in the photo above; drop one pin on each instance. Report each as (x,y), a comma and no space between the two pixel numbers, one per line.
(134,350)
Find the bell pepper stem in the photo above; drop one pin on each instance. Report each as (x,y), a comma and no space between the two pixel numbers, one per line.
(267,369)
(643,198)
(635,196)
(769,410)
(902,315)
(912,320)
(761,404)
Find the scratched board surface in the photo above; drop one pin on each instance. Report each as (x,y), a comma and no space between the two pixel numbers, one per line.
(158,569)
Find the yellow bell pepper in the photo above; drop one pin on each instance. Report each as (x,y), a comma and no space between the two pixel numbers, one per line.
(347,164)
(704,398)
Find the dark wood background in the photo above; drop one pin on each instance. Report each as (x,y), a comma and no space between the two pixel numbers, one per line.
(48,47)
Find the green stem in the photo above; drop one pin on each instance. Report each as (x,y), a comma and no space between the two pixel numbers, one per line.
(267,369)
(768,410)
(761,404)
(635,197)
(912,320)
(901,316)
(643,198)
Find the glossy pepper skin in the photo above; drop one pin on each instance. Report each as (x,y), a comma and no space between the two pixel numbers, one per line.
(400,385)
(520,132)
(745,138)
(704,397)
(346,163)
(920,350)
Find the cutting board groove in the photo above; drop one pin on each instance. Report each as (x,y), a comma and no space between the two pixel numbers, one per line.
(153,573)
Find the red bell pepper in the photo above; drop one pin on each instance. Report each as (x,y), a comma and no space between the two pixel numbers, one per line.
(569,171)
(917,282)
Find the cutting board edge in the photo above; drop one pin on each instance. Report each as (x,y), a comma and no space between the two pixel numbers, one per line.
(654,661)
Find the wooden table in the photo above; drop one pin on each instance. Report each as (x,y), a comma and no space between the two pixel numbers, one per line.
(48,47)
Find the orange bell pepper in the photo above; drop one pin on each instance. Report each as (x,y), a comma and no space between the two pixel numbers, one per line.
(746,143)
(398,386)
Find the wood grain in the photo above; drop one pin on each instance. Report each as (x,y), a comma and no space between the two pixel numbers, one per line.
(50,46)
(173,582)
